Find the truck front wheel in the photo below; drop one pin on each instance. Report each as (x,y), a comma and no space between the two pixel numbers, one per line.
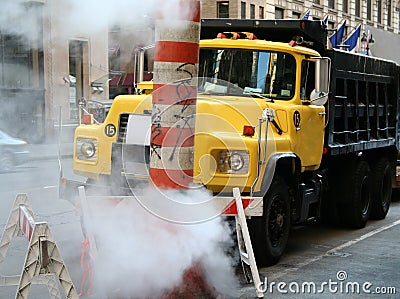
(270,232)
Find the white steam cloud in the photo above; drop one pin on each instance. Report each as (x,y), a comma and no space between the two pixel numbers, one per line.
(77,17)
(91,16)
(140,254)
(17,18)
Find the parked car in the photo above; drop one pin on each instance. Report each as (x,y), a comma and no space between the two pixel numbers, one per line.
(13,152)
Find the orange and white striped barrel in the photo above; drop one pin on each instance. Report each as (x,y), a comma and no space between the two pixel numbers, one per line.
(174,96)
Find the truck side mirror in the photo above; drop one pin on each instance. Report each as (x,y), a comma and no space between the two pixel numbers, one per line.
(319,96)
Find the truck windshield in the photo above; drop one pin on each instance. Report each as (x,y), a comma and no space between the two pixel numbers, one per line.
(271,74)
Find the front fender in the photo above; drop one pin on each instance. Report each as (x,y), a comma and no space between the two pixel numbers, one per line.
(270,171)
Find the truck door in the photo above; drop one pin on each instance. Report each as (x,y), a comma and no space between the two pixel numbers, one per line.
(310,121)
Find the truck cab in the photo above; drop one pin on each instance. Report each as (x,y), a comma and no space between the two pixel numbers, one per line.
(262,74)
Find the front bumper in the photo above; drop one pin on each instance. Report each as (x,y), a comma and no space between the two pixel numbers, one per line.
(224,204)
(253,206)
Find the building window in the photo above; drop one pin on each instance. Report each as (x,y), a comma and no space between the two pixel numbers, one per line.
(252,11)
(22,93)
(243,10)
(261,12)
(389,13)
(379,11)
(21,55)
(331,25)
(278,13)
(358,8)
(331,4)
(369,10)
(18,63)
(345,6)
(76,77)
(296,15)
(115,27)
(316,2)
(223,9)
(114,57)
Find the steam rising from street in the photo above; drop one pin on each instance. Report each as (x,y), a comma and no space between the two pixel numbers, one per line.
(140,254)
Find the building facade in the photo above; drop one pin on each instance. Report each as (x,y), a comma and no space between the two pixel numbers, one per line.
(381,14)
(46,65)
(54,58)
(75,64)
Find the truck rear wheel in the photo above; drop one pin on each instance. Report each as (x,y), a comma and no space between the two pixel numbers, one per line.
(382,189)
(396,194)
(270,232)
(357,202)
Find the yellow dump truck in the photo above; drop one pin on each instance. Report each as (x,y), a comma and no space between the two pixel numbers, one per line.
(305,131)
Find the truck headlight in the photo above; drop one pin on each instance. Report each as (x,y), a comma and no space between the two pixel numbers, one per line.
(86,149)
(236,162)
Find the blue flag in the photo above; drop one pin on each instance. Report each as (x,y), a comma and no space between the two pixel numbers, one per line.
(306,15)
(351,41)
(325,20)
(336,38)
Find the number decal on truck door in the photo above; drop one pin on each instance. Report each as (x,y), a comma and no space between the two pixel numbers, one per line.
(296,119)
(110,130)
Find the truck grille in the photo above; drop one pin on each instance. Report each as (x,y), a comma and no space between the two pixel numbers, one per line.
(122,125)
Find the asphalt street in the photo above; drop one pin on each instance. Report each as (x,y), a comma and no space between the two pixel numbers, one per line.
(320,262)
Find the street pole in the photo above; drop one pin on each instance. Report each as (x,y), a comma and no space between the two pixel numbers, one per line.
(173,117)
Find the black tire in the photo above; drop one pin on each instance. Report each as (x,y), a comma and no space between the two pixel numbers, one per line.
(270,232)
(331,195)
(396,194)
(356,206)
(381,188)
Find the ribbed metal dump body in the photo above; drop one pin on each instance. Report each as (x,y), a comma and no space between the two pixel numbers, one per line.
(363,104)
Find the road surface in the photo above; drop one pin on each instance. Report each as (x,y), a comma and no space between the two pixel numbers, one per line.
(320,262)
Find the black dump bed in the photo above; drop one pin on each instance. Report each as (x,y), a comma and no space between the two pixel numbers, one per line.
(363,103)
